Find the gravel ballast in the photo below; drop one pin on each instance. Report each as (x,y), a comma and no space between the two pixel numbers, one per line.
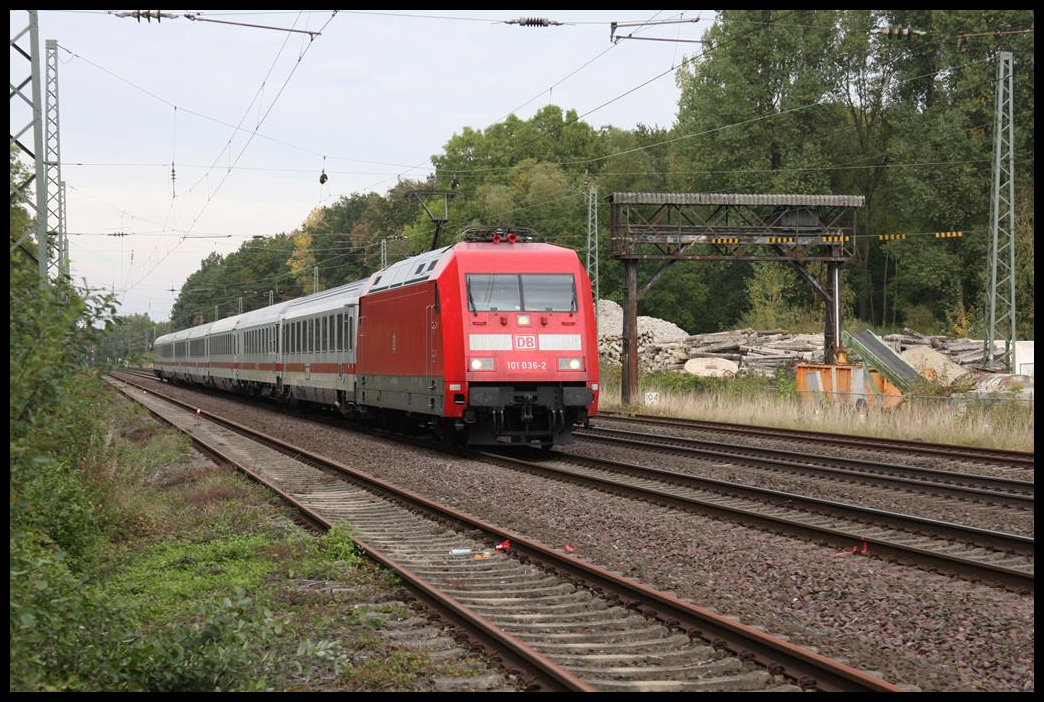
(914,627)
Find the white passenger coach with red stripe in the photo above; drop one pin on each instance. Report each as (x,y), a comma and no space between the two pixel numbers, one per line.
(491,340)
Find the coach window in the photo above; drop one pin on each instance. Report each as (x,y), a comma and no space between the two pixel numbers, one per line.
(340,332)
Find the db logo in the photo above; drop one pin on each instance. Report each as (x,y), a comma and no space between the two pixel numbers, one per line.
(525,342)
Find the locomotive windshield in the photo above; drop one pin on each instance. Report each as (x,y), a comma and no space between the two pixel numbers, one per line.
(531,292)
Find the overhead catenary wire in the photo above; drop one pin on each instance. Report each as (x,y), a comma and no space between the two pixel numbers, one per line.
(231,167)
(241,167)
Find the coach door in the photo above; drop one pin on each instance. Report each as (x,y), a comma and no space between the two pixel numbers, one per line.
(431,337)
(350,323)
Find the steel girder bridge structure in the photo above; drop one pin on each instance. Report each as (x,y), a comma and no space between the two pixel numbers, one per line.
(671,227)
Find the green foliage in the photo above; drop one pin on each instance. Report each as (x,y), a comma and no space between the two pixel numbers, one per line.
(679,383)
(225,651)
(54,407)
(127,341)
(778,301)
(53,621)
(259,267)
(398,671)
(193,571)
(778,101)
(923,319)
(339,546)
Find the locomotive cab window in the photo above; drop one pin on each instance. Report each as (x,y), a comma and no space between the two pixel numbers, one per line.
(550,292)
(494,292)
(531,292)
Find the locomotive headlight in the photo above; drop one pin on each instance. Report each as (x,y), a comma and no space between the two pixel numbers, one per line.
(523,320)
(568,364)
(482,364)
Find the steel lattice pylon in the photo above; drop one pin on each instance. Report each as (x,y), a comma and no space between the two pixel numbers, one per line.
(1000,293)
(592,242)
(53,162)
(34,100)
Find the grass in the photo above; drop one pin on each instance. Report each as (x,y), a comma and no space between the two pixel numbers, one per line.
(928,417)
(218,588)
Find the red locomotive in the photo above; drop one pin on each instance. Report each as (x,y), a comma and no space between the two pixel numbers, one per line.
(489,341)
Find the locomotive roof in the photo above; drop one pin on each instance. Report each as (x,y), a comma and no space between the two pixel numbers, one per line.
(409,270)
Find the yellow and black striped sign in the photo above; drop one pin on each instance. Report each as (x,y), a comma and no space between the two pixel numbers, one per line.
(834,238)
(948,235)
(725,240)
(890,237)
(781,240)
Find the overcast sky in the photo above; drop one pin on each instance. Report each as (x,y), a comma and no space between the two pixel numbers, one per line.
(377,94)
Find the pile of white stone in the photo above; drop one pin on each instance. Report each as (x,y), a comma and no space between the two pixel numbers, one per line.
(659,341)
(663,346)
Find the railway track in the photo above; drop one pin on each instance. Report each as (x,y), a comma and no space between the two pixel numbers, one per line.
(567,623)
(998,557)
(979,554)
(965,486)
(1002,457)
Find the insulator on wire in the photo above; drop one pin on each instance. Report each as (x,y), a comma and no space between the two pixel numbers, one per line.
(533,22)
